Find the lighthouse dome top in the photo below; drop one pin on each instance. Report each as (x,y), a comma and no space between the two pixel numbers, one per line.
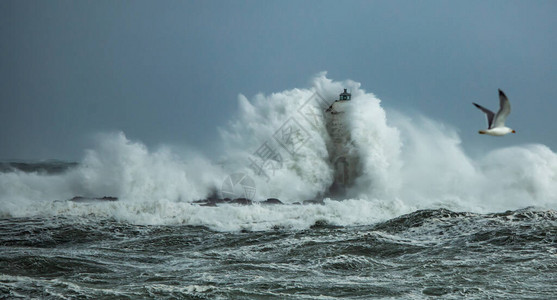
(344,96)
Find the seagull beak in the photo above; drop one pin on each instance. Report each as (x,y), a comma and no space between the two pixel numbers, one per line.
(513,131)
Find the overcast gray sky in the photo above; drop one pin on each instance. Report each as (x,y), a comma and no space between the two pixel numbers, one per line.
(169,72)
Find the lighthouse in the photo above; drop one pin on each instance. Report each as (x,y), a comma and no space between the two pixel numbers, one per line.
(343,155)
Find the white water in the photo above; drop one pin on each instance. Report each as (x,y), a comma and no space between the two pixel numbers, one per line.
(408,164)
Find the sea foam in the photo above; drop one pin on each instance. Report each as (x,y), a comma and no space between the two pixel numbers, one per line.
(280,141)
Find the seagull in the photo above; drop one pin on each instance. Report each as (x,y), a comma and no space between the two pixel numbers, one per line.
(496,122)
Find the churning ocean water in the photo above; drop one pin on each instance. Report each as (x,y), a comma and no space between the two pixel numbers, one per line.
(423,219)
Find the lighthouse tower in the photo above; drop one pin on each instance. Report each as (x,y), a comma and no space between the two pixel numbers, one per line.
(342,154)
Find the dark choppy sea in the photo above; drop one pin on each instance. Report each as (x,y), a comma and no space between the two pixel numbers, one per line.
(428,253)
(418,216)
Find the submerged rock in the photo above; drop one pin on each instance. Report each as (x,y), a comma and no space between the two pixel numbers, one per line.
(93,199)
(272,201)
(212,202)
(242,201)
(314,201)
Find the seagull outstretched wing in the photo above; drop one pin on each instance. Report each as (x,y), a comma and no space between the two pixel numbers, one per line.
(504,110)
(488,112)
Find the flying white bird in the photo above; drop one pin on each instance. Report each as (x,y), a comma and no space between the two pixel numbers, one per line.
(496,122)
